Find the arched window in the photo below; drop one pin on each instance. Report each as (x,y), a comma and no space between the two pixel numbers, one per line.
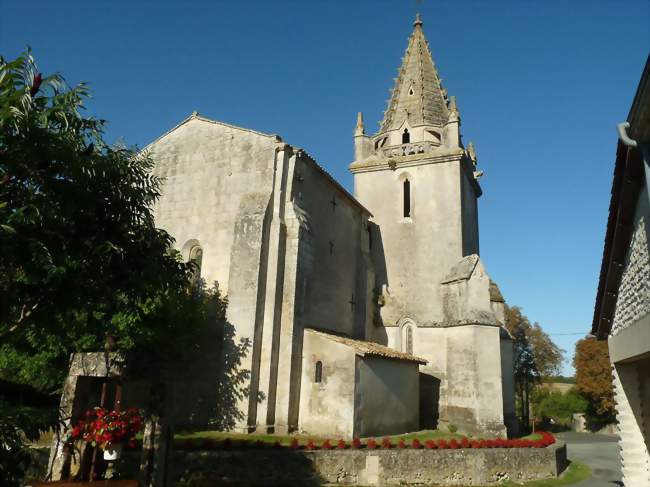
(406,137)
(196,258)
(407,198)
(318,373)
(408,346)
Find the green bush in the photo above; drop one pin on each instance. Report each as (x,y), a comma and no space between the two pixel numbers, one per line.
(560,407)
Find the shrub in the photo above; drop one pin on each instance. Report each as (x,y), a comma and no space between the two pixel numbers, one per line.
(372,444)
(385,443)
(452,428)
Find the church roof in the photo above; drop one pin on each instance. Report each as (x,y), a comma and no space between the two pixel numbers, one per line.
(495,293)
(418,94)
(462,270)
(363,348)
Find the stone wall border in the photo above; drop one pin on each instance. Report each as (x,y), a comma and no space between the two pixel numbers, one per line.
(270,467)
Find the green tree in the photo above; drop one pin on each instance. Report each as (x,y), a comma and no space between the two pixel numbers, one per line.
(535,357)
(81,257)
(594,379)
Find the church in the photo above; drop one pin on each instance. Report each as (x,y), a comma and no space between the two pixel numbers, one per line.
(369,313)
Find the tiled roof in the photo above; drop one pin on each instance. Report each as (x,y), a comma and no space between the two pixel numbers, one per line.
(362,347)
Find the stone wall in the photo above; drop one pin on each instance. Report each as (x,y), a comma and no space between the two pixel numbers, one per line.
(370,467)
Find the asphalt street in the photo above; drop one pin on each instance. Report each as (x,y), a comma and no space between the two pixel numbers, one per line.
(600,452)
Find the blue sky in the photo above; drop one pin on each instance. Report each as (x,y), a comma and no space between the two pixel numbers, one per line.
(540,87)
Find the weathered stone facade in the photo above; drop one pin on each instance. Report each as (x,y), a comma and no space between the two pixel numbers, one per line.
(397,264)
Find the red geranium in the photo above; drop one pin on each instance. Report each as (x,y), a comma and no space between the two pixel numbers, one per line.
(415,444)
(326,445)
(105,428)
(356,443)
(401,444)
(430,445)
(341,445)
(385,443)
(372,444)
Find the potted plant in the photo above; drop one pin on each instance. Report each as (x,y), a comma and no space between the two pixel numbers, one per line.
(108,430)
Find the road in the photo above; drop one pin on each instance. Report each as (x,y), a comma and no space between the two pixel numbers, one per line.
(600,452)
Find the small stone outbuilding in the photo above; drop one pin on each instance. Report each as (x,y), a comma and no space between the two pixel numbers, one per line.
(355,389)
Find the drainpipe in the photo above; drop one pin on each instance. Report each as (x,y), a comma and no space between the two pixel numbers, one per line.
(643,148)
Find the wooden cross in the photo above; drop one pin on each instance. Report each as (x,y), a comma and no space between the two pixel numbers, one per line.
(352,302)
(333,203)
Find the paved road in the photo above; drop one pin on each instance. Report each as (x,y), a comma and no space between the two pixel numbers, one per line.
(600,452)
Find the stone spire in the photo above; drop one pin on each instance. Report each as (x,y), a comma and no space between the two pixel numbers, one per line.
(418,95)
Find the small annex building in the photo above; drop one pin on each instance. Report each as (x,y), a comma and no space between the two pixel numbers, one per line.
(356,388)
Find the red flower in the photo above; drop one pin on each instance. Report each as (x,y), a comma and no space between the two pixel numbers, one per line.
(341,445)
(415,444)
(442,444)
(311,445)
(326,445)
(295,444)
(453,444)
(372,444)
(430,445)
(401,444)
(385,443)
(76,432)
(464,442)
(356,443)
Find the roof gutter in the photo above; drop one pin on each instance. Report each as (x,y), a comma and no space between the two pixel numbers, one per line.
(643,149)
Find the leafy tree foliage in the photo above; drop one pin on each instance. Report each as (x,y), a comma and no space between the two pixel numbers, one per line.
(558,406)
(594,379)
(535,356)
(81,256)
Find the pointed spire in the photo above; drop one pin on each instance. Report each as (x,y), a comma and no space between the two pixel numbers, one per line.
(359,129)
(418,95)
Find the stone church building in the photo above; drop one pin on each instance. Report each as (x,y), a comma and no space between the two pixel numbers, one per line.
(369,314)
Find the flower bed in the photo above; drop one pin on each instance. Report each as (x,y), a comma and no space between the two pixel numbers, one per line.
(546,439)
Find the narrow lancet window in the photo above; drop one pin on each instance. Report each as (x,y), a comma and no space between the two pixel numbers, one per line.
(318,374)
(409,340)
(406,137)
(407,198)
(196,259)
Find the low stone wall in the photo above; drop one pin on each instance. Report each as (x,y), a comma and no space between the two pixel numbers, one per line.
(367,467)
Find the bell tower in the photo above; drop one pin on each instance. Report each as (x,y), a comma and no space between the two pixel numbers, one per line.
(421,184)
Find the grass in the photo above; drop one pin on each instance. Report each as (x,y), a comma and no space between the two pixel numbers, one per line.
(575,472)
(285,440)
